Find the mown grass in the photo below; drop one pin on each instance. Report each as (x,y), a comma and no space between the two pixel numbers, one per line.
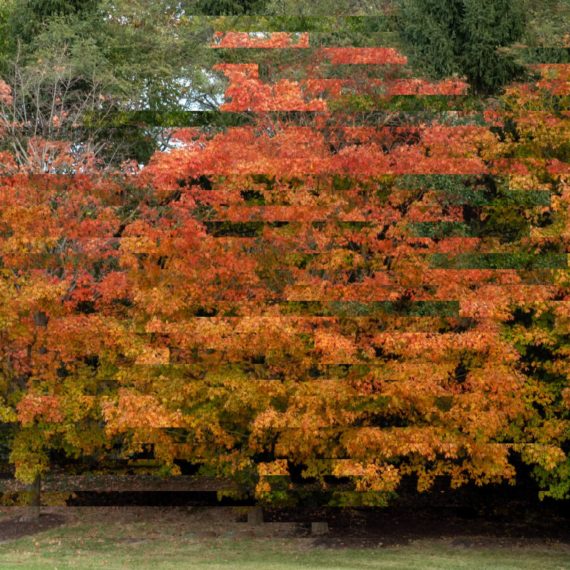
(100,543)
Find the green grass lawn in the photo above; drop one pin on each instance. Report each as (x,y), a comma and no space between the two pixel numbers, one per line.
(99,542)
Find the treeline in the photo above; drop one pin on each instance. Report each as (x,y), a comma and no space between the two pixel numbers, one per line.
(109,75)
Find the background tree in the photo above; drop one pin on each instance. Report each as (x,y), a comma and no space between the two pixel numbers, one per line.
(85,71)
(463,37)
(30,16)
(224,7)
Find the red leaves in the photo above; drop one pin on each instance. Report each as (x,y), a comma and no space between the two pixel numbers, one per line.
(302,151)
(37,407)
(260,40)
(555,78)
(421,87)
(247,93)
(371,56)
(5,93)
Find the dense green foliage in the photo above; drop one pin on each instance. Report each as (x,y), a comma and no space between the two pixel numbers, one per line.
(103,59)
(29,16)
(446,37)
(225,7)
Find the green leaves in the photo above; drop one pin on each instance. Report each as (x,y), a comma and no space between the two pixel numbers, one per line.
(448,37)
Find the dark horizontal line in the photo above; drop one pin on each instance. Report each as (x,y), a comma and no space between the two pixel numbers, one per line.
(527,261)
(439,230)
(153,499)
(212,118)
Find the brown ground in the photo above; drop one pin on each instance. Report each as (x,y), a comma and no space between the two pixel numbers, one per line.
(474,518)
(14,525)
(348,528)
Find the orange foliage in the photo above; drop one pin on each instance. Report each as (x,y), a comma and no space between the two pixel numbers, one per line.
(321,293)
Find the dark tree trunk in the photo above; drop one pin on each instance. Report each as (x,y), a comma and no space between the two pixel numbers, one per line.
(255,516)
(34,501)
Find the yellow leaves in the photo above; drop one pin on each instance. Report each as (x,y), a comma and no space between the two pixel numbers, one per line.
(265,421)
(29,455)
(262,489)
(566,397)
(138,244)
(132,411)
(369,476)
(75,404)
(486,464)
(38,291)
(549,431)
(153,356)
(547,456)
(334,348)
(273,468)
(396,442)
(7,413)
(528,182)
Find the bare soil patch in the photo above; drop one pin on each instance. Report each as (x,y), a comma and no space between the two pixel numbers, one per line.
(349,528)
(15,525)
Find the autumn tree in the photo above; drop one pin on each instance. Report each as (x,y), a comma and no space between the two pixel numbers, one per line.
(367,340)
(360,284)
(533,128)
(61,332)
